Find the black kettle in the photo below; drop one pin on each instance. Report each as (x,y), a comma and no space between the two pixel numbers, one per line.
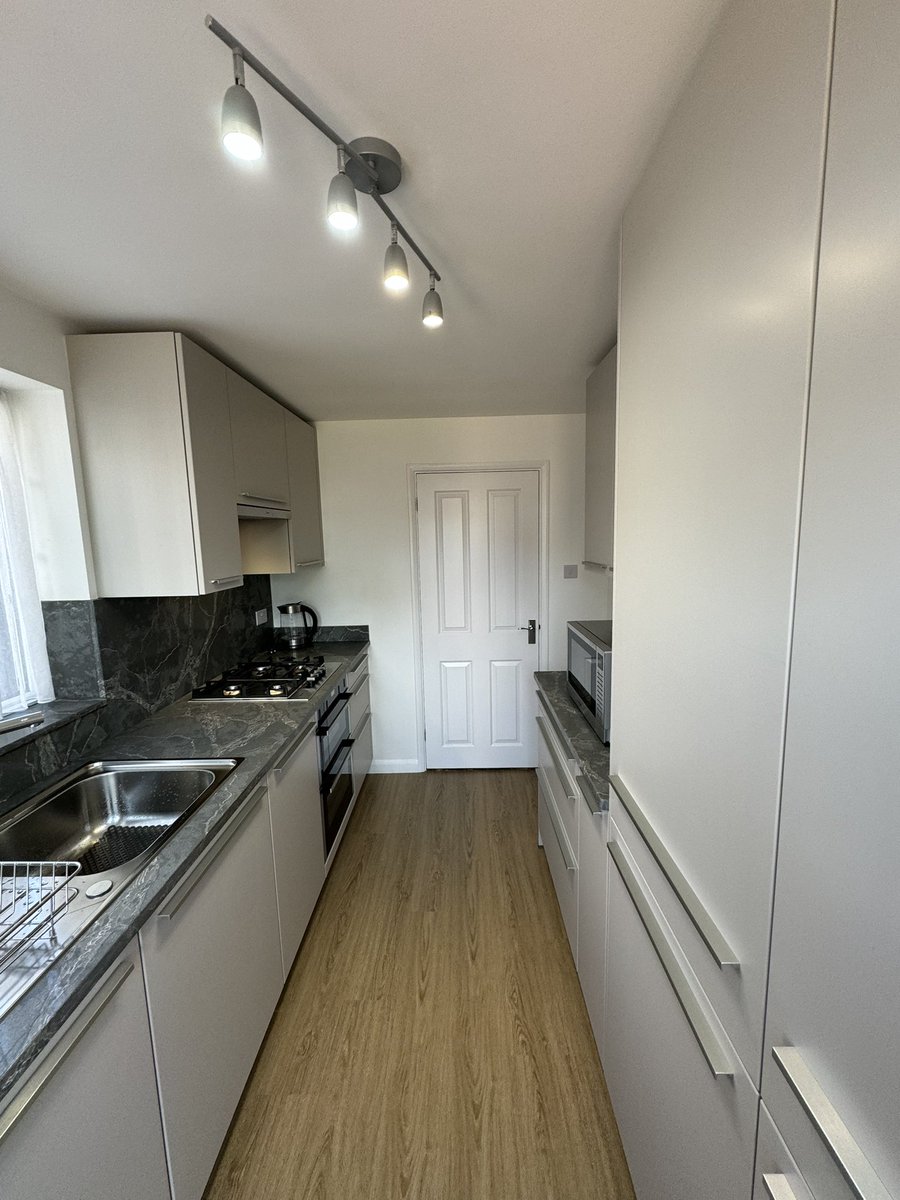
(299,634)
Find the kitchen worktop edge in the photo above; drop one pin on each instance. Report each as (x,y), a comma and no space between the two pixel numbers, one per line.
(590,753)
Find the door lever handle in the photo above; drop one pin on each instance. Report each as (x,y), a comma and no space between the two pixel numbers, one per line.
(531,629)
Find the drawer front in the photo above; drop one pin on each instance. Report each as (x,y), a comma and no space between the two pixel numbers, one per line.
(361,754)
(353,677)
(359,704)
(552,757)
(777,1176)
(560,860)
(592,882)
(736,991)
(688,1134)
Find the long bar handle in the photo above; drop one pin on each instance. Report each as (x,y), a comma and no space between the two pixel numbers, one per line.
(294,747)
(358,686)
(701,1027)
(56,1056)
(561,768)
(778,1188)
(226,579)
(551,717)
(181,893)
(839,1141)
(690,901)
(561,837)
(268,499)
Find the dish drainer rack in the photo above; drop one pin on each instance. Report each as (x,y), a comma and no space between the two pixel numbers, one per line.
(34,896)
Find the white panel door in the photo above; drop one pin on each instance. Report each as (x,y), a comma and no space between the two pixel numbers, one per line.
(478,563)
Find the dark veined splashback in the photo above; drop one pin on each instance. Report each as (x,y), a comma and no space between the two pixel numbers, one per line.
(140,654)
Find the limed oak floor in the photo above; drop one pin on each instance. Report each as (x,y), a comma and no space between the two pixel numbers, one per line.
(432,1041)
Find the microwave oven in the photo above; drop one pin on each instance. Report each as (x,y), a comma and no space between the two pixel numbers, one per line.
(589,671)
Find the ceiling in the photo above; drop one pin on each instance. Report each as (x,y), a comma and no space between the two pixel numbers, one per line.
(523,127)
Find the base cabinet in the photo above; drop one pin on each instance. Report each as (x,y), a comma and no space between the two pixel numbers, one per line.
(777,1176)
(91,1130)
(298,842)
(560,859)
(213,970)
(592,880)
(361,754)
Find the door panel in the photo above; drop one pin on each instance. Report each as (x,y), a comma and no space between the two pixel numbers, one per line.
(478,560)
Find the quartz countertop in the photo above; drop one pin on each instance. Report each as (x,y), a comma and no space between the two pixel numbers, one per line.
(255,732)
(591,754)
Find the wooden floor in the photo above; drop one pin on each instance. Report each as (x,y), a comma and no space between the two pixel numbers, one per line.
(432,1041)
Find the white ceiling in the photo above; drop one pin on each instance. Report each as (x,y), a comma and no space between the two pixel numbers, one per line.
(523,127)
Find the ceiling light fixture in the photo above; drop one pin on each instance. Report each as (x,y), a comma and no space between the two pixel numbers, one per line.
(241,130)
(396,272)
(432,309)
(365,164)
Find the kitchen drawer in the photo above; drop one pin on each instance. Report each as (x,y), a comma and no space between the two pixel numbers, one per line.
(560,859)
(738,1001)
(359,704)
(553,759)
(361,754)
(353,677)
(688,1133)
(592,884)
(777,1176)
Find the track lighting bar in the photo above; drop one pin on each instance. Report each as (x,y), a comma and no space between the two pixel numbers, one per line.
(237,48)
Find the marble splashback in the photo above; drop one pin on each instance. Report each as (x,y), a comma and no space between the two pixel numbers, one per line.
(73,649)
(342,633)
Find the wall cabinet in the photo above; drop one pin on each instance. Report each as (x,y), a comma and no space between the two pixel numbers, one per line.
(307,542)
(89,1123)
(152,415)
(213,969)
(600,462)
(298,841)
(260,455)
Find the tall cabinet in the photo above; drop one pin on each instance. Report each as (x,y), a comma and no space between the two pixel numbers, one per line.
(835,980)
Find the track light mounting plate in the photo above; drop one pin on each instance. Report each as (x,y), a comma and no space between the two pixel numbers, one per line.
(383,157)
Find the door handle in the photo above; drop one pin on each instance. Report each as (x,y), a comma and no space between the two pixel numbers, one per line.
(531,627)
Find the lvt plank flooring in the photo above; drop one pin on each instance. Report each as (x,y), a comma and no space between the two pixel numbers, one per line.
(432,1042)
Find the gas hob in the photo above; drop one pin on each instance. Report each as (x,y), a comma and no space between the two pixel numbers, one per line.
(271,677)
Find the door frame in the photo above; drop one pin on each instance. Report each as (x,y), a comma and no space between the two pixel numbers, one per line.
(413,471)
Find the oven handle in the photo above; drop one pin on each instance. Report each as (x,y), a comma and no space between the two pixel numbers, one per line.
(331,772)
(332,712)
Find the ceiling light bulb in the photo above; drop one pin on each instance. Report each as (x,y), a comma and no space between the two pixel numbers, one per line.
(241,128)
(432,309)
(342,210)
(396,271)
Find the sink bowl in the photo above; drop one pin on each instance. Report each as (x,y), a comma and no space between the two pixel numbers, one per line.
(74,846)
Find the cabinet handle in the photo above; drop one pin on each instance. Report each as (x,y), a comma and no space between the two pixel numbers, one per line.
(357,732)
(181,893)
(591,798)
(50,1063)
(561,768)
(357,687)
(293,748)
(226,579)
(839,1141)
(587,562)
(690,901)
(268,499)
(561,837)
(700,1024)
(778,1188)
(552,718)
(310,562)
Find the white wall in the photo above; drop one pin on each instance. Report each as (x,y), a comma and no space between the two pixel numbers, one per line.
(368,576)
(32,345)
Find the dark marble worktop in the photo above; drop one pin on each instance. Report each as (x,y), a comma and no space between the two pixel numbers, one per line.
(592,755)
(257,733)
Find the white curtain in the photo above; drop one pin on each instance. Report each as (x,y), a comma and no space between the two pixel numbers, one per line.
(24,669)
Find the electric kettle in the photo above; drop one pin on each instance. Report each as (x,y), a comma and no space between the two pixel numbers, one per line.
(300,630)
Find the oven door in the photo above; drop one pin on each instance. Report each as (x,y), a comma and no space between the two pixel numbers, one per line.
(582,672)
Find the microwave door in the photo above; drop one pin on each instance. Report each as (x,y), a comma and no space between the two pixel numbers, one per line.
(583,669)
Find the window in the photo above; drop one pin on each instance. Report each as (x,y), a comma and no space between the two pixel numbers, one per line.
(24,667)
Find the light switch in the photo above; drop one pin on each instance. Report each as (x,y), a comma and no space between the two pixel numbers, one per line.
(570,571)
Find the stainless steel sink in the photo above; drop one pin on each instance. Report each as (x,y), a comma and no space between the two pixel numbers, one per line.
(108,817)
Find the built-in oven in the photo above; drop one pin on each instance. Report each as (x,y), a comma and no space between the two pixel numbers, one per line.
(589,671)
(335,778)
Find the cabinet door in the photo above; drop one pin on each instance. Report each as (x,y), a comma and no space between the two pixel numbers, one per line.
(835,977)
(777,1176)
(688,1134)
(600,462)
(592,878)
(560,859)
(207,432)
(260,455)
(361,754)
(298,841)
(714,343)
(91,1129)
(306,501)
(212,962)
(359,701)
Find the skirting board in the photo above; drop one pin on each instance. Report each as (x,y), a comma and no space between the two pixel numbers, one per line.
(395,766)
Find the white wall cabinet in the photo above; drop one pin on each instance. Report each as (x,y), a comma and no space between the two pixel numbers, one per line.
(592,882)
(835,976)
(307,542)
(213,970)
(600,462)
(260,454)
(91,1128)
(298,841)
(716,307)
(152,414)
